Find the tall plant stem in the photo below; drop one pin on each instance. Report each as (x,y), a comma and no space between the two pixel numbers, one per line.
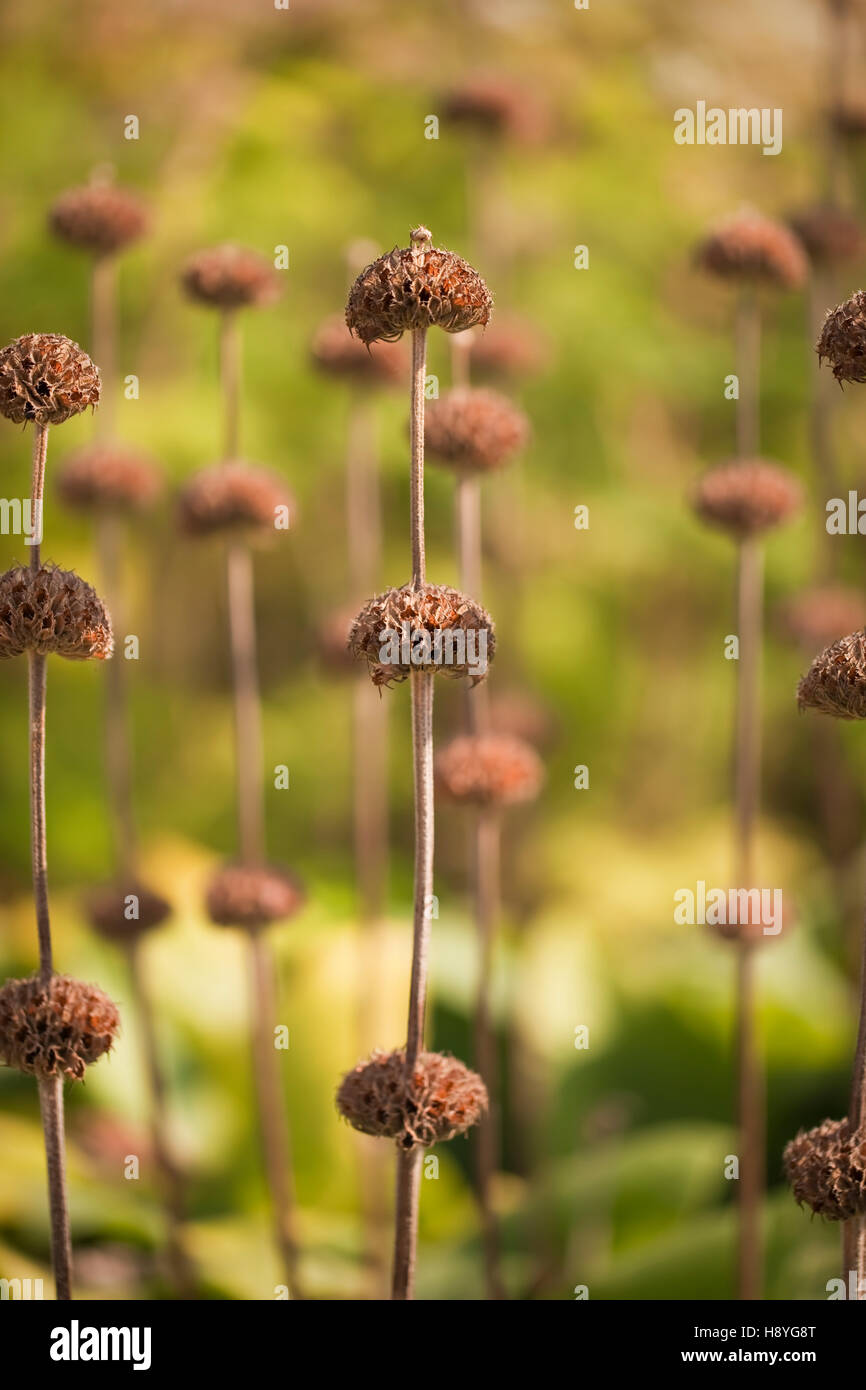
(416,430)
(103,338)
(487,883)
(230,378)
(406,1223)
(38,844)
(854,1230)
(117,742)
(249,772)
(51,1109)
(748,353)
(422,759)
(37,493)
(747,779)
(821,416)
(468,543)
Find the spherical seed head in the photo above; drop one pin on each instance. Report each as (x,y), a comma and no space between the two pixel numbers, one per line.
(421,286)
(235,497)
(843,339)
(425,628)
(52,610)
(98,218)
(510,349)
(57,1029)
(830,235)
(437,1100)
(816,617)
(489,770)
(108,478)
(498,108)
(243,896)
(747,497)
(826,1168)
(230,277)
(475,431)
(754,249)
(121,912)
(336,351)
(46,378)
(836,681)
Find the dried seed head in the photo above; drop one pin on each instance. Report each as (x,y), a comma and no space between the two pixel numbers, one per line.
(336,351)
(474,430)
(843,339)
(52,610)
(489,770)
(437,1100)
(46,378)
(122,913)
(830,235)
(751,909)
(230,277)
(421,286)
(99,218)
(510,349)
(849,120)
(747,497)
(835,683)
(524,717)
(243,896)
(754,249)
(333,642)
(497,107)
(56,1029)
(235,496)
(425,628)
(108,478)
(826,1168)
(815,618)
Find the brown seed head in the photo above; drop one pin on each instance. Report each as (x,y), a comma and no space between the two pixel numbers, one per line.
(235,496)
(242,896)
(843,339)
(421,286)
(99,218)
(815,618)
(336,351)
(835,683)
(849,119)
(747,497)
(489,770)
(56,1029)
(333,642)
(108,478)
(522,716)
(751,248)
(439,1099)
(830,235)
(497,108)
(751,920)
(52,610)
(428,628)
(826,1168)
(230,277)
(509,349)
(46,378)
(121,913)
(474,431)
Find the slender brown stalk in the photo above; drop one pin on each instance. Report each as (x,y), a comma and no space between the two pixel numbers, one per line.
(748,354)
(118,752)
(230,378)
(854,1230)
(416,418)
(37,493)
(406,1223)
(38,845)
(487,911)
(247,704)
(103,339)
(51,1109)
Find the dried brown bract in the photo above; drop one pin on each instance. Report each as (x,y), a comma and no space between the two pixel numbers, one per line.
(339,353)
(439,1099)
(108,478)
(421,286)
(121,913)
(475,431)
(836,681)
(230,277)
(747,497)
(57,1029)
(826,1168)
(751,248)
(46,378)
(99,218)
(239,895)
(426,628)
(52,610)
(843,339)
(235,496)
(489,770)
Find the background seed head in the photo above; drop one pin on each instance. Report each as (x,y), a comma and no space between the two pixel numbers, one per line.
(750,248)
(421,286)
(489,770)
(431,607)
(826,1168)
(830,235)
(836,681)
(99,218)
(230,277)
(332,642)
(108,478)
(52,610)
(439,1099)
(337,352)
(815,618)
(233,497)
(474,430)
(747,497)
(843,339)
(509,349)
(242,896)
(496,107)
(107,911)
(56,1029)
(46,378)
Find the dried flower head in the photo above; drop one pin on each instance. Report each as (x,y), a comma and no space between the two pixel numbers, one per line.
(121,913)
(333,642)
(830,235)
(849,119)
(489,770)
(497,107)
(815,618)
(52,610)
(747,497)
(826,1168)
(835,683)
(437,1100)
(240,895)
(339,353)
(56,1029)
(473,430)
(46,378)
(99,218)
(843,339)
(110,478)
(230,277)
(426,628)
(232,496)
(509,349)
(522,716)
(751,248)
(421,286)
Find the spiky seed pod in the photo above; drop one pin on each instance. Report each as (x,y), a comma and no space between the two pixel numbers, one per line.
(46,378)
(57,1029)
(815,618)
(826,1168)
(230,277)
(99,218)
(421,286)
(108,478)
(121,913)
(426,628)
(510,349)
(336,351)
(843,339)
(52,610)
(235,496)
(243,896)
(751,248)
(496,107)
(475,431)
(835,683)
(830,235)
(437,1100)
(747,497)
(489,770)
(332,641)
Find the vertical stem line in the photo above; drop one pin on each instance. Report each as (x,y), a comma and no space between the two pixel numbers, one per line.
(748,354)
(419,368)
(118,753)
(36,669)
(230,377)
(487,910)
(406,1223)
(103,338)
(51,1109)
(422,757)
(37,492)
(247,706)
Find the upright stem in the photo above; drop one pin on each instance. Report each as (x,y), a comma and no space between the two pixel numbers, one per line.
(38,844)
(103,338)
(230,377)
(117,744)
(487,882)
(37,493)
(419,368)
(422,757)
(821,417)
(468,542)
(406,1223)
(51,1108)
(748,352)
(247,706)
(854,1230)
